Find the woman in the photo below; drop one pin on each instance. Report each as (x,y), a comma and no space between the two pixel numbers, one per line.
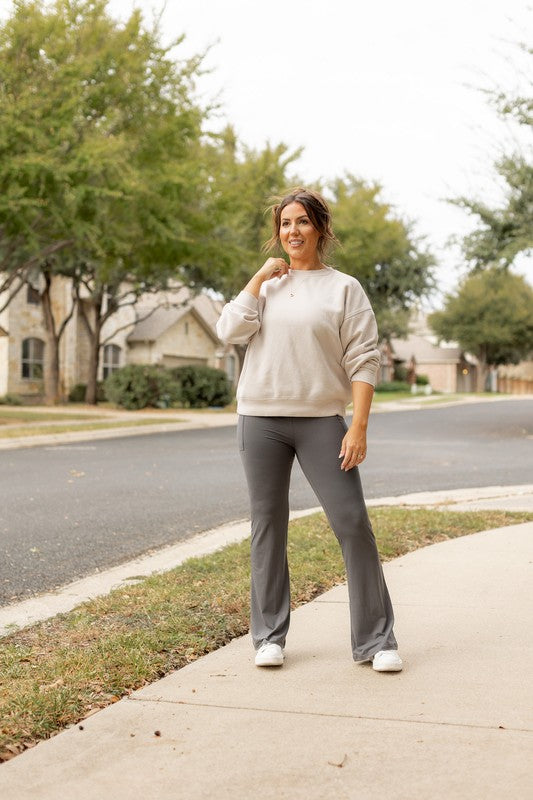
(312,348)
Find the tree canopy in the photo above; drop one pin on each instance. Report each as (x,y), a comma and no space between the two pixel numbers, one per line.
(491,316)
(382,251)
(100,141)
(97,139)
(504,232)
(239,181)
(111,177)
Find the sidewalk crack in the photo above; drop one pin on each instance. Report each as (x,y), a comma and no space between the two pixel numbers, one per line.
(328,714)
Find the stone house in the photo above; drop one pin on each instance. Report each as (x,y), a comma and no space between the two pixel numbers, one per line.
(170,328)
(175,327)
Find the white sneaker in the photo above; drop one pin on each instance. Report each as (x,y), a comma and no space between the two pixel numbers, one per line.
(387,661)
(269,655)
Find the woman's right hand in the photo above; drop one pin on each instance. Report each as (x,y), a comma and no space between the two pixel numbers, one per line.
(273,267)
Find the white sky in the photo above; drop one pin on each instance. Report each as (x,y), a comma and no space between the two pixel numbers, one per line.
(384,90)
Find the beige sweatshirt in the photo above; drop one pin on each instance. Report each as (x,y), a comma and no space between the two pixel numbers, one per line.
(309,334)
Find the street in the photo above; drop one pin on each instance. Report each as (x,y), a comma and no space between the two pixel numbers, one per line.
(70,510)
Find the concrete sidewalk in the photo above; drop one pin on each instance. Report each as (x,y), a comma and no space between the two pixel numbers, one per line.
(455,723)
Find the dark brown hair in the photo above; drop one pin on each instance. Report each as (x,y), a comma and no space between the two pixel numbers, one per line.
(316,209)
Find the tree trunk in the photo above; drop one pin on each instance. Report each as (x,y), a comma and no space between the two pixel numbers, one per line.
(94,334)
(94,358)
(52,393)
(53,389)
(51,357)
(482,372)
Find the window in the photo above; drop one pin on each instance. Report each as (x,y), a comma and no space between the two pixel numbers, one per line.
(111,359)
(32,358)
(230,368)
(32,296)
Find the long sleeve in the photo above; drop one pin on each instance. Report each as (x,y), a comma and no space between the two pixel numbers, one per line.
(359,338)
(310,335)
(239,320)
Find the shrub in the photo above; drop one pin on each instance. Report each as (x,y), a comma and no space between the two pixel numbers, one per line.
(393,386)
(10,400)
(422,380)
(400,373)
(77,393)
(140,385)
(203,386)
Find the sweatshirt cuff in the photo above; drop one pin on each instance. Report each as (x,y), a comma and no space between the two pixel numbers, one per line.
(247,299)
(365,375)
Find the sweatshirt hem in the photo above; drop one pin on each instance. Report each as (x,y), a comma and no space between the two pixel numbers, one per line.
(289,407)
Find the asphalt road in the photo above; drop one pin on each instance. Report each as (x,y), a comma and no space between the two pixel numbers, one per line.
(67,511)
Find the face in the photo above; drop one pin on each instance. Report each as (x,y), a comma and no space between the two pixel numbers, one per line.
(299,238)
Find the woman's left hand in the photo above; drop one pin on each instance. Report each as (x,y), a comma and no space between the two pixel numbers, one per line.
(353,448)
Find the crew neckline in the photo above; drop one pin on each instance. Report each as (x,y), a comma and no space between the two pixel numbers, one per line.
(310,272)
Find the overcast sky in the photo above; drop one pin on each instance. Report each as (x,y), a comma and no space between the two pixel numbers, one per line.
(384,90)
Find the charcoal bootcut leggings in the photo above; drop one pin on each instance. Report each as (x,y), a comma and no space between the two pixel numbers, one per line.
(267,446)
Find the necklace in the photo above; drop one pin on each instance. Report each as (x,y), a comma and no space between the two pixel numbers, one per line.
(291,293)
(291,286)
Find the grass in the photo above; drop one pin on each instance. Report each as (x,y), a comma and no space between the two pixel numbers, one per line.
(59,671)
(8,416)
(16,432)
(390,397)
(435,397)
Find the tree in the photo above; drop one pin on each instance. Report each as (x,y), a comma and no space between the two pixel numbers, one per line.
(239,181)
(99,149)
(505,232)
(491,316)
(381,251)
(517,106)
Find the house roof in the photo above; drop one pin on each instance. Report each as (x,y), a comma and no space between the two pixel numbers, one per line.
(160,320)
(425,351)
(209,308)
(164,317)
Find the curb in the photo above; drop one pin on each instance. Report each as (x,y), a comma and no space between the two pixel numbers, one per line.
(65,598)
(222,419)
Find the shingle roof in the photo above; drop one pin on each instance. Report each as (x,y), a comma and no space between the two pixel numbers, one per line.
(424,351)
(160,320)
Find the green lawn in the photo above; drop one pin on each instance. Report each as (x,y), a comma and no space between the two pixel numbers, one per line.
(16,432)
(8,416)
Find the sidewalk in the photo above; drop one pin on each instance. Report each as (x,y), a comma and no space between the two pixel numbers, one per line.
(455,723)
